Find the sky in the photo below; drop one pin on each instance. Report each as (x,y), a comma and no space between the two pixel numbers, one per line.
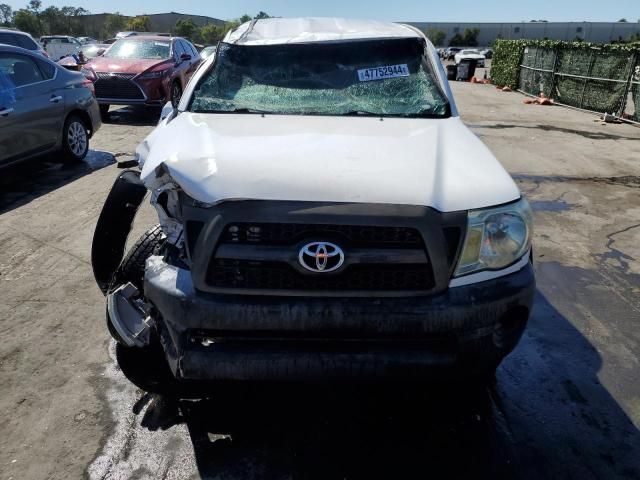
(391,10)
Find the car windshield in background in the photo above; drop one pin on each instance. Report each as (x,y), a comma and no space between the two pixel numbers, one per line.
(381,77)
(148,49)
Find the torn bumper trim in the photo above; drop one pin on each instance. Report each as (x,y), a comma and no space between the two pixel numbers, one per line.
(129,317)
(114,225)
(227,337)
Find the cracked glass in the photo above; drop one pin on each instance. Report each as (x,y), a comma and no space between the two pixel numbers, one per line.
(323,79)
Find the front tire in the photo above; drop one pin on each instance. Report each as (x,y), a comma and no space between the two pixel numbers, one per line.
(104,110)
(176,93)
(131,268)
(145,367)
(75,139)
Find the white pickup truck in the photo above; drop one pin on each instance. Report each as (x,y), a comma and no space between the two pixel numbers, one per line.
(323,213)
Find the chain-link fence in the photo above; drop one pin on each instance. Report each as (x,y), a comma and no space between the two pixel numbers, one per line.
(590,79)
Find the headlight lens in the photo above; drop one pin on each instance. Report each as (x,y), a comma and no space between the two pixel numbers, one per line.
(89,73)
(154,74)
(496,237)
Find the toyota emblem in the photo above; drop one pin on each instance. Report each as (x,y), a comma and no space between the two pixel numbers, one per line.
(321,257)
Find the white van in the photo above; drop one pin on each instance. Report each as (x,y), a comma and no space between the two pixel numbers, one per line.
(58,46)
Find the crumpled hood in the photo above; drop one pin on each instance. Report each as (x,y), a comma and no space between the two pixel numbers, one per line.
(432,162)
(123,65)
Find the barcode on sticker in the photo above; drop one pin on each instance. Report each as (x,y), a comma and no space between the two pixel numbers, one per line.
(379,73)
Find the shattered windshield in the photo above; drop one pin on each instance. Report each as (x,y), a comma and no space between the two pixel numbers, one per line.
(146,49)
(381,77)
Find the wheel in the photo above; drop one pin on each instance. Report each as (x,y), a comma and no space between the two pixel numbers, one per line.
(176,93)
(104,110)
(131,268)
(145,367)
(75,139)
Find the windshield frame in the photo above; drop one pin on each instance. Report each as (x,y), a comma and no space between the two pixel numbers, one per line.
(425,58)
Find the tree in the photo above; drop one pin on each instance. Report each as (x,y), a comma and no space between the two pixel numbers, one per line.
(34,7)
(262,15)
(470,37)
(6,15)
(185,28)
(113,24)
(27,21)
(622,20)
(245,18)
(456,41)
(211,33)
(436,36)
(140,23)
(53,22)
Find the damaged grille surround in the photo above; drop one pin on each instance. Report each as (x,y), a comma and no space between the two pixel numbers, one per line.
(251,247)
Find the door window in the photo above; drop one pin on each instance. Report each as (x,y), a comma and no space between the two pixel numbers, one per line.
(26,42)
(18,70)
(177,49)
(47,69)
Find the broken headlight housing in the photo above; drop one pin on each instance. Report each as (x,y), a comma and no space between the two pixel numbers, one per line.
(496,237)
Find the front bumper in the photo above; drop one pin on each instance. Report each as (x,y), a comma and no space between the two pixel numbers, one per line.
(463,330)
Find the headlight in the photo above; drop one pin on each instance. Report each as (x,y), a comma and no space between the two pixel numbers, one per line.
(89,73)
(496,237)
(154,74)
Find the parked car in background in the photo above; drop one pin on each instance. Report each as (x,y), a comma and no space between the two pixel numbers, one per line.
(59,46)
(469,54)
(487,52)
(10,36)
(128,34)
(87,40)
(43,108)
(450,52)
(206,52)
(143,70)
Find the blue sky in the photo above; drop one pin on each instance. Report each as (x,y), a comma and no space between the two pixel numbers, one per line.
(394,10)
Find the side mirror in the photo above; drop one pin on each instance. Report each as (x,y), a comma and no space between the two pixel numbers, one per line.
(168,112)
(185,57)
(100,52)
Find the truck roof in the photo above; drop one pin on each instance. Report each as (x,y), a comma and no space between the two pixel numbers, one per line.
(274,31)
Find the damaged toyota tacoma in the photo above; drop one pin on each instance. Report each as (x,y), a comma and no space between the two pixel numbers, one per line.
(323,214)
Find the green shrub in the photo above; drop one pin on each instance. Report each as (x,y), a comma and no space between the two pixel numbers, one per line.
(508,54)
(505,64)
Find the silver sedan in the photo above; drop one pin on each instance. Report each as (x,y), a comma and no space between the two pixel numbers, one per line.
(44,108)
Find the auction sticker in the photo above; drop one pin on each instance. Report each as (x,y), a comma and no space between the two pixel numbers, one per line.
(380,73)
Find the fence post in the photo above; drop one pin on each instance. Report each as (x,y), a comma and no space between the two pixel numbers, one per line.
(556,52)
(633,61)
(586,80)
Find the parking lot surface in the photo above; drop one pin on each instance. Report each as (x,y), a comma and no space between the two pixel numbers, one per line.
(565,404)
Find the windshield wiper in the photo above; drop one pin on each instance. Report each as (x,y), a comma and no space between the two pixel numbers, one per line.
(353,113)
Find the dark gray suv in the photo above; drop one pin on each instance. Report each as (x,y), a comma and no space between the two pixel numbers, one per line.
(10,36)
(43,108)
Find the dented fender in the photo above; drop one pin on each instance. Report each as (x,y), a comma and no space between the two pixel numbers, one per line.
(114,224)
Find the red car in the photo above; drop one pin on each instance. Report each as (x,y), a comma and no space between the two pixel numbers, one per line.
(142,70)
